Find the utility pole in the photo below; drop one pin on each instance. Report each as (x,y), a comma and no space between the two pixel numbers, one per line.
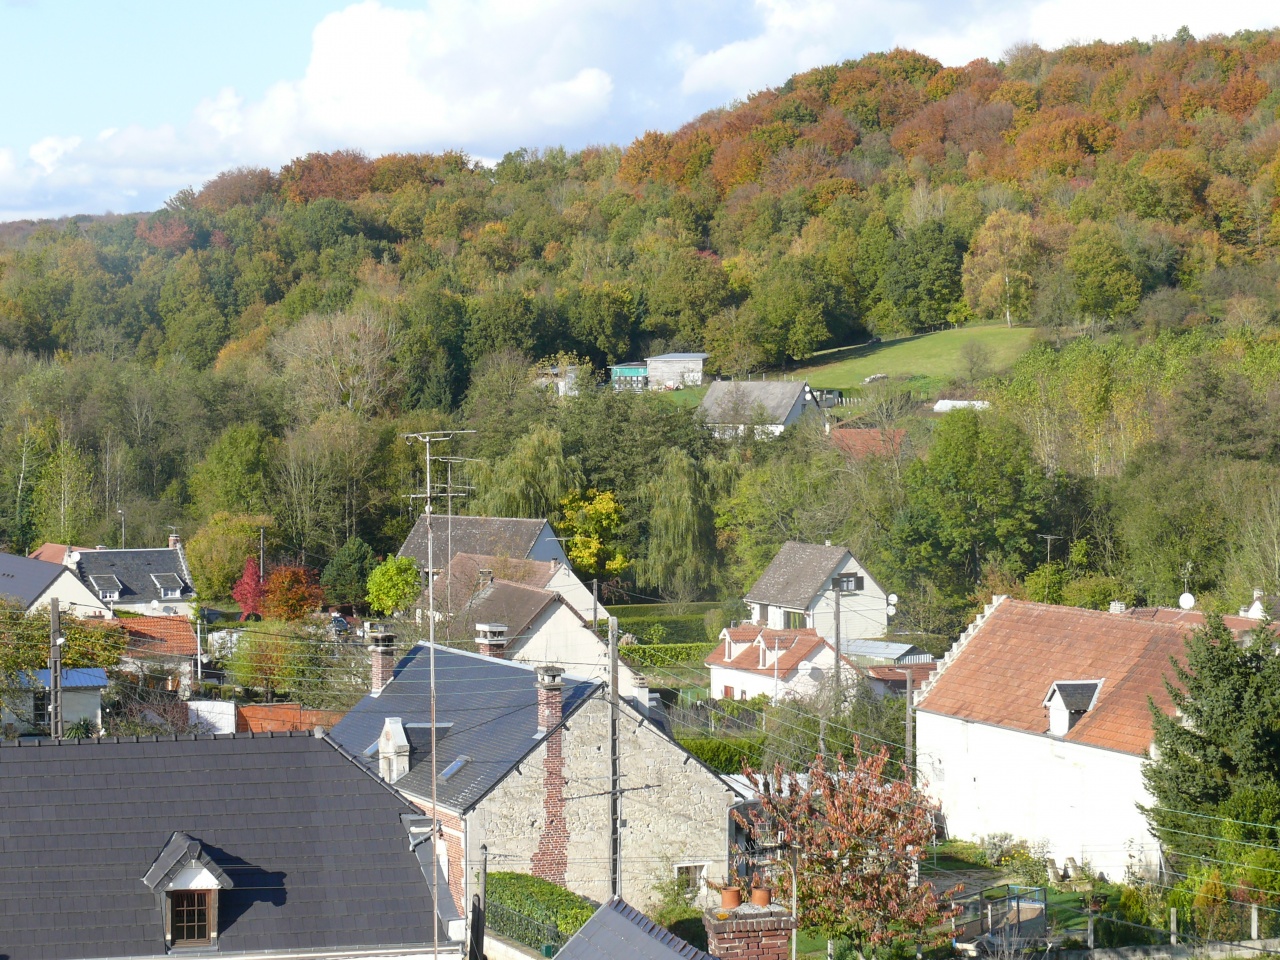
(615,779)
(262,553)
(911,740)
(55,670)
(121,512)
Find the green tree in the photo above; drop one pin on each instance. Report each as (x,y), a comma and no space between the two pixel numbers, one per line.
(922,280)
(531,481)
(1106,285)
(681,542)
(64,496)
(218,551)
(346,577)
(592,527)
(393,585)
(999,267)
(233,476)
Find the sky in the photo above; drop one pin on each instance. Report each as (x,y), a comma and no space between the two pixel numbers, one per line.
(115,105)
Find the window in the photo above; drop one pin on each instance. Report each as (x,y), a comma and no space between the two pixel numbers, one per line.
(728,693)
(794,620)
(40,710)
(854,583)
(690,878)
(190,917)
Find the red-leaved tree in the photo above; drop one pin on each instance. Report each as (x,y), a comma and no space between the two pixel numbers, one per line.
(291,594)
(856,838)
(248,590)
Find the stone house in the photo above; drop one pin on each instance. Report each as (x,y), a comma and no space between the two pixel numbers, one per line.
(822,588)
(522,767)
(766,407)
(154,581)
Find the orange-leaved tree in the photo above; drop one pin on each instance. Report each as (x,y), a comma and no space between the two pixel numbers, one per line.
(291,594)
(855,834)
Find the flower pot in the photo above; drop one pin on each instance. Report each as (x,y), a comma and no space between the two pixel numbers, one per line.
(761,896)
(730,897)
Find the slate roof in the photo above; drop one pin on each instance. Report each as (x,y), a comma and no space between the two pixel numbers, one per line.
(490,706)
(24,579)
(747,402)
(793,647)
(488,536)
(1076,697)
(621,932)
(165,636)
(798,573)
(679,356)
(885,650)
(314,846)
(499,601)
(137,571)
(1002,672)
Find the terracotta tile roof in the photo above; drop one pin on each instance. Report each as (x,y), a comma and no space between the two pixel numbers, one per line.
(166,636)
(793,648)
(920,672)
(1001,673)
(1191,618)
(53,552)
(863,442)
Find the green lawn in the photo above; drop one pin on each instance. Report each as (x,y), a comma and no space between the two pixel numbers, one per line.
(926,363)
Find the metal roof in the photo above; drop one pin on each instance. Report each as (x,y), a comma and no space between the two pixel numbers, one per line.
(883,650)
(138,572)
(621,932)
(26,580)
(315,847)
(679,356)
(491,704)
(797,574)
(73,678)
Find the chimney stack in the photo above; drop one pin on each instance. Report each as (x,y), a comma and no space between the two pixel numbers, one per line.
(491,639)
(749,933)
(175,541)
(393,750)
(550,696)
(382,656)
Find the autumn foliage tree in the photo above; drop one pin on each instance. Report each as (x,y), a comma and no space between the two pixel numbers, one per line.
(856,833)
(249,589)
(291,594)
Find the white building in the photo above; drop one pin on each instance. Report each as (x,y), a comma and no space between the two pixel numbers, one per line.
(1037,724)
(670,371)
(32,584)
(767,407)
(807,585)
(26,709)
(751,661)
(154,581)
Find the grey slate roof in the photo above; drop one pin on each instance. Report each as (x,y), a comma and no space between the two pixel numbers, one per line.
(1077,696)
(516,605)
(490,536)
(797,574)
(621,932)
(24,580)
(490,705)
(315,847)
(747,402)
(137,571)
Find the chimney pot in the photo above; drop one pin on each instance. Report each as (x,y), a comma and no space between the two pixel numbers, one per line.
(491,639)
(175,541)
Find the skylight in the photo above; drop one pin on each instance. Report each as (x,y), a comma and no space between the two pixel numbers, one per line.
(454,767)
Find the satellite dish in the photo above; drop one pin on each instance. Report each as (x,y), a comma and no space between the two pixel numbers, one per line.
(1186,601)
(75,556)
(891,610)
(893,598)
(155,604)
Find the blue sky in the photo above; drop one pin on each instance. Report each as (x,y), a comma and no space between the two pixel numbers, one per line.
(116,104)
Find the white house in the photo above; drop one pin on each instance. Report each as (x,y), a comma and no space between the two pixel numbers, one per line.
(821,587)
(26,709)
(1037,724)
(768,407)
(670,371)
(154,581)
(751,661)
(31,584)
(467,570)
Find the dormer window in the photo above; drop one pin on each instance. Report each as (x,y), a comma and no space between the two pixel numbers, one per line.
(186,881)
(1068,701)
(169,584)
(107,587)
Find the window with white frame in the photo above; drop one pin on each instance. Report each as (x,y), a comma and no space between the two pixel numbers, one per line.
(691,878)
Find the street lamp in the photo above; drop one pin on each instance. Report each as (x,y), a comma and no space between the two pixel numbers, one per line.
(121,512)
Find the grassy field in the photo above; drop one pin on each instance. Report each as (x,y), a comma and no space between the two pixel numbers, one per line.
(926,363)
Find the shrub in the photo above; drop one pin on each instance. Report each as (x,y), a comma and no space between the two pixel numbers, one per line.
(540,900)
(688,628)
(726,754)
(665,655)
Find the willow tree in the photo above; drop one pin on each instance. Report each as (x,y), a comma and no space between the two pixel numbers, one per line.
(530,481)
(681,531)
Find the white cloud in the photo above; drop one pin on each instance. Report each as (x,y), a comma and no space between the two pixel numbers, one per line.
(47,151)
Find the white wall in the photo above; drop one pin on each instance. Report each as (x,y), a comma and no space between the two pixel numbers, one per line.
(576,593)
(1081,799)
(218,715)
(166,608)
(77,705)
(801,682)
(74,598)
(674,373)
(863,615)
(557,636)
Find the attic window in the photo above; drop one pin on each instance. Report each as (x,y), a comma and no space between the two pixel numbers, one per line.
(186,881)
(108,587)
(854,583)
(191,918)
(170,585)
(454,767)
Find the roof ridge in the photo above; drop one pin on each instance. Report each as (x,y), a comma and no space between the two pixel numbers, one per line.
(151,738)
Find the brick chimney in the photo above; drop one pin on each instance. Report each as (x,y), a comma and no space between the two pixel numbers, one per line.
(550,697)
(749,932)
(175,541)
(491,639)
(382,656)
(393,750)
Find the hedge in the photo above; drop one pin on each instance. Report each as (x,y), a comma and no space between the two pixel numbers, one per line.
(690,628)
(540,900)
(661,655)
(725,754)
(628,611)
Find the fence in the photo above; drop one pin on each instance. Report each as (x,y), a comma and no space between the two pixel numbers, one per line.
(516,926)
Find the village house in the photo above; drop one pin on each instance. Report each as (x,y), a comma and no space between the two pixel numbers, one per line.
(766,407)
(270,846)
(820,587)
(1037,724)
(467,571)
(666,371)
(508,537)
(155,581)
(161,652)
(522,767)
(751,661)
(31,584)
(25,708)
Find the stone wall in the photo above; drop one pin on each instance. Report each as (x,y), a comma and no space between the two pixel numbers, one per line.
(675,810)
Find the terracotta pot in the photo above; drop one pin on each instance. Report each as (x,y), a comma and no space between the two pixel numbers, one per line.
(730,897)
(761,896)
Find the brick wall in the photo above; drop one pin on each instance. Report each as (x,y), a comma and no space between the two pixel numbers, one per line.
(282,717)
(452,831)
(749,933)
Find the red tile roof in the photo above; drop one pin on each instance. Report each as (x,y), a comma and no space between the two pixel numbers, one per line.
(54,552)
(166,636)
(863,442)
(920,672)
(793,648)
(1001,673)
